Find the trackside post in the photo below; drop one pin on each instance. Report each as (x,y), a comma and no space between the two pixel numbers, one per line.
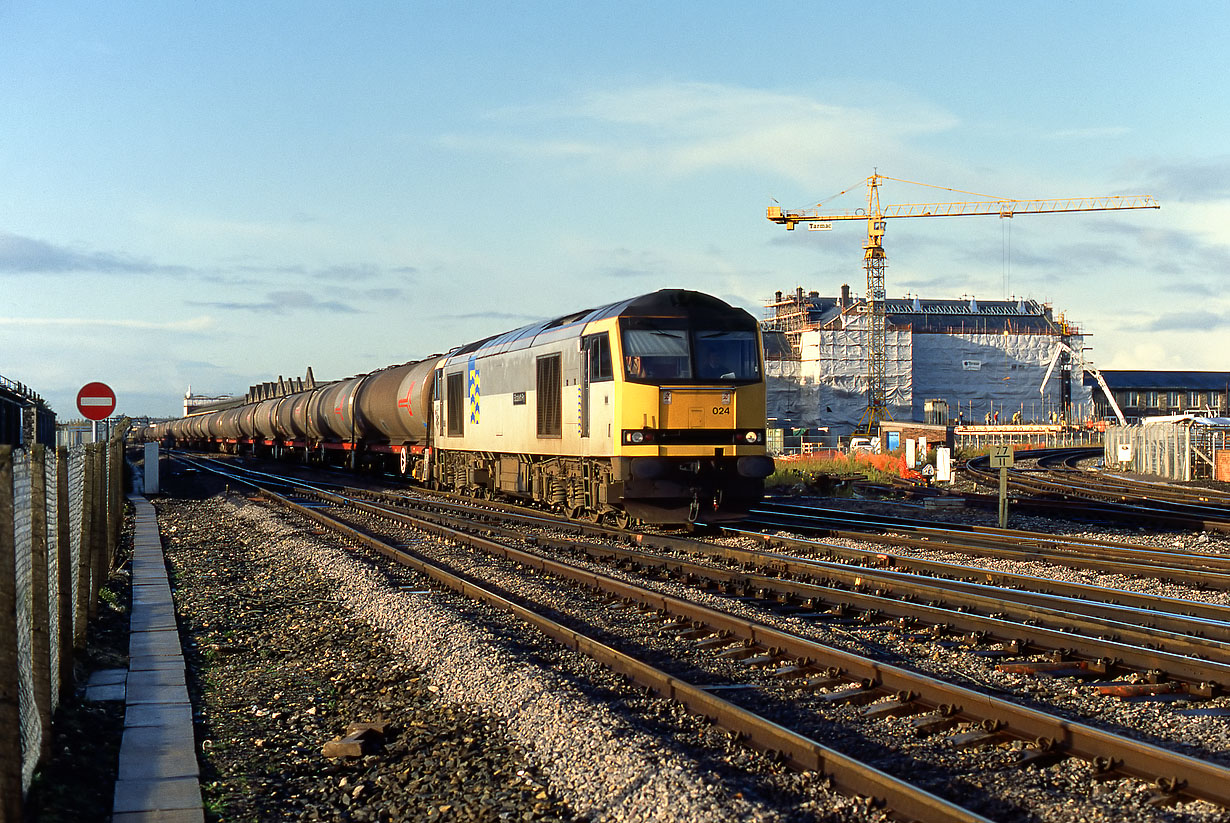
(1001,458)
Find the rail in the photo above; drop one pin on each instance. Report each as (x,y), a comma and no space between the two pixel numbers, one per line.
(848,775)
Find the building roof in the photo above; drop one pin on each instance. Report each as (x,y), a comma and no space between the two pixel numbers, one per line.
(1147,379)
(927,315)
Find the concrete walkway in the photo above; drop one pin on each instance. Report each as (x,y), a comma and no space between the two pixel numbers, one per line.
(158,777)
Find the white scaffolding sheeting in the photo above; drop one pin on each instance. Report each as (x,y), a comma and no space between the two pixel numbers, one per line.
(982,373)
(977,373)
(827,386)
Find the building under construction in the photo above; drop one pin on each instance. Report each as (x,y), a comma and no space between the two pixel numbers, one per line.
(966,360)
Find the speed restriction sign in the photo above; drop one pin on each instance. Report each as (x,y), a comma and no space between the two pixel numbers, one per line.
(1001,457)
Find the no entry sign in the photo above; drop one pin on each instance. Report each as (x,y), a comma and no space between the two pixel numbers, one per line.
(95,401)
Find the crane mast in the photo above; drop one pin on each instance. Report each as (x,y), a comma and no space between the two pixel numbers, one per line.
(875,260)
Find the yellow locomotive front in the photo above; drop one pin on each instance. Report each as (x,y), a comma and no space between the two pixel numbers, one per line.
(689,410)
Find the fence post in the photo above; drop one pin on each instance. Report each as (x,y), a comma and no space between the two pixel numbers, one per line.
(112,506)
(65,571)
(116,481)
(102,560)
(10,707)
(84,584)
(98,517)
(104,522)
(40,645)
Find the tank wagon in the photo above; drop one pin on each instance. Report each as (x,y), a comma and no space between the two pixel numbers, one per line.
(652,408)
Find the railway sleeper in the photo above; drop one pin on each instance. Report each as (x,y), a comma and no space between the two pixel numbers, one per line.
(741,652)
(858,693)
(1041,753)
(696,633)
(986,733)
(760,660)
(826,679)
(934,723)
(1061,668)
(902,704)
(717,642)
(791,670)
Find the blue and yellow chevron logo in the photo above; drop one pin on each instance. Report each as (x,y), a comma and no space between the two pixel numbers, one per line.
(472,388)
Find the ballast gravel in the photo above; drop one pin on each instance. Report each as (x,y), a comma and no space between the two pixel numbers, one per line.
(984,779)
(291,637)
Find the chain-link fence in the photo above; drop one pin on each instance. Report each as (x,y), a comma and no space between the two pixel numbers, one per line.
(61,511)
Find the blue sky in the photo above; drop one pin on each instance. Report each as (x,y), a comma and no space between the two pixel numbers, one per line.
(215,194)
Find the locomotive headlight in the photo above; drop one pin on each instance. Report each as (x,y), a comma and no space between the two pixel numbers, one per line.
(637,437)
(752,437)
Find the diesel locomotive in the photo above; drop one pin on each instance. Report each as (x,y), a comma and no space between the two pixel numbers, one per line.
(649,409)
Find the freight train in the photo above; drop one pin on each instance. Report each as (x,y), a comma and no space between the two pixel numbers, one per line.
(649,409)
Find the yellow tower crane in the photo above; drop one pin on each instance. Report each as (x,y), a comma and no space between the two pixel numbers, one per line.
(874,258)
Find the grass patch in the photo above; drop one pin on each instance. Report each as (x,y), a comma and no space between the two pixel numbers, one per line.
(792,472)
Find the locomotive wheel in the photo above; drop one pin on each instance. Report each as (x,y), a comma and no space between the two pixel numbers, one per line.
(623,520)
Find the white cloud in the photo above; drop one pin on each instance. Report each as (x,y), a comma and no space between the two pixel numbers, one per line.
(194,324)
(687,128)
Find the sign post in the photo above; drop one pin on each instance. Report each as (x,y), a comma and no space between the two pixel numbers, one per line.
(96,401)
(1001,458)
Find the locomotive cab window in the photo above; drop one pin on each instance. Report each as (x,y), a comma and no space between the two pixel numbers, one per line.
(656,354)
(550,397)
(456,391)
(666,349)
(727,355)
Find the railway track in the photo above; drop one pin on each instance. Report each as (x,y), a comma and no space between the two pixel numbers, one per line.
(1106,494)
(795,675)
(1202,570)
